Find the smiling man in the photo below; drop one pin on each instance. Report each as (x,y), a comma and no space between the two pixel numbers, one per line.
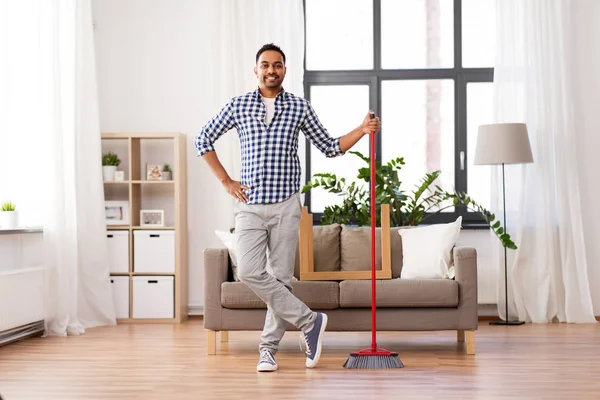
(268,209)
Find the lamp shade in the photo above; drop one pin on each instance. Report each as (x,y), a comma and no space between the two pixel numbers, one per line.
(506,143)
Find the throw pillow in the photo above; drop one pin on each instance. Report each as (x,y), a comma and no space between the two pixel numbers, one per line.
(427,250)
(355,243)
(326,247)
(230,241)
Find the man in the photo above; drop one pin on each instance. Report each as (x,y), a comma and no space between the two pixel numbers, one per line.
(268,121)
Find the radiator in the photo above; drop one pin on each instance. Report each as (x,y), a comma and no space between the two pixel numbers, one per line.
(21,303)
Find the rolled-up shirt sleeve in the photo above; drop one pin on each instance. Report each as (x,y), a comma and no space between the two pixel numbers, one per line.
(215,128)
(318,135)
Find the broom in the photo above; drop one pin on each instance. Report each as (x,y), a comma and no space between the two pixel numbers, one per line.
(373,357)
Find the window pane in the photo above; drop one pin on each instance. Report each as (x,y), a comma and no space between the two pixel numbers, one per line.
(340,109)
(479,112)
(417,34)
(479,33)
(417,123)
(339,34)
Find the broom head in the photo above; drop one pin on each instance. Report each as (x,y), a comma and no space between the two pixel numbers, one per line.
(373,359)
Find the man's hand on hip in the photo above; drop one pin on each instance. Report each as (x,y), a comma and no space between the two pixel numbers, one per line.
(236,189)
(232,187)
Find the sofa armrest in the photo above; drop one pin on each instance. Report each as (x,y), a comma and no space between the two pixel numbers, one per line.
(465,266)
(216,263)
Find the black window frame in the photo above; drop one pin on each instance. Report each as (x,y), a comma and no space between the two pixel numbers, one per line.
(461,76)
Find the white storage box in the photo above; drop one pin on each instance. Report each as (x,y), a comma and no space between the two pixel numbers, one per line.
(153,297)
(154,251)
(118,251)
(120,291)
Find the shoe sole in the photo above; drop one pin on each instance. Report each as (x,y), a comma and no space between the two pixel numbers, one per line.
(266,368)
(313,363)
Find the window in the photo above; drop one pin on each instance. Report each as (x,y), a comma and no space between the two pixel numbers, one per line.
(350,100)
(406,108)
(424,66)
(333,43)
(417,34)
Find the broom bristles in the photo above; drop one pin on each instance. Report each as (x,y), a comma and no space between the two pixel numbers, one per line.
(357,361)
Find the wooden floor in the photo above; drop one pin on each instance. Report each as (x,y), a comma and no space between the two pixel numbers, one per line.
(169,362)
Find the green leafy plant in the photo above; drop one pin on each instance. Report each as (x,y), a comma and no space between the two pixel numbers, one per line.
(166,168)
(406,207)
(110,158)
(8,206)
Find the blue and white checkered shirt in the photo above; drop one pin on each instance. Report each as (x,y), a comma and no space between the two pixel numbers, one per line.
(270,162)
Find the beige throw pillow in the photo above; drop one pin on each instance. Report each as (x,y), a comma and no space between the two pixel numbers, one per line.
(356,248)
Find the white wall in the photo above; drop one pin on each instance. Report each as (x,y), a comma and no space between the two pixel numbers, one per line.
(487,282)
(159,70)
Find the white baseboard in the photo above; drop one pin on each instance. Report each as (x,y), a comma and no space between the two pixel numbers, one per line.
(487,310)
(195,309)
(483,310)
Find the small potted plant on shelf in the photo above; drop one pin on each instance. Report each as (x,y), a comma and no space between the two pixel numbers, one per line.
(167,172)
(8,216)
(110,162)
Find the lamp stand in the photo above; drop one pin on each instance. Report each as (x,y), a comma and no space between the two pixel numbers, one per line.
(500,321)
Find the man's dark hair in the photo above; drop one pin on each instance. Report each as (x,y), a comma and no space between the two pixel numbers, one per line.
(269,46)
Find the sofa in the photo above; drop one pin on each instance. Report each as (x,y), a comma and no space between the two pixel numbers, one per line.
(402,304)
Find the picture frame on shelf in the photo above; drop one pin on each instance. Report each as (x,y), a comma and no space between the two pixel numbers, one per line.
(154,172)
(116,212)
(150,218)
(119,176)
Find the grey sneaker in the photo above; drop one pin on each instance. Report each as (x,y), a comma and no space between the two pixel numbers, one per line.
(314,339)
(267,362)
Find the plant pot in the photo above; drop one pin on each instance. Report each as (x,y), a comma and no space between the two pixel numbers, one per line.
(8,220)
(166,175)
(108,172)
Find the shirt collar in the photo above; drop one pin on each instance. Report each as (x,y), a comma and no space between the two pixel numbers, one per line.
(282,93)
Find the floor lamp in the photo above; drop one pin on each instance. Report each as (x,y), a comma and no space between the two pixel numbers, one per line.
(503,144)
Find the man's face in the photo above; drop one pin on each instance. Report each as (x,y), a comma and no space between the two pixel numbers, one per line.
(270,69)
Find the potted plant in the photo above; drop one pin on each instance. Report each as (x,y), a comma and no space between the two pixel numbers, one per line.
(408,207)
(8,216)
(110,162)
(167,172)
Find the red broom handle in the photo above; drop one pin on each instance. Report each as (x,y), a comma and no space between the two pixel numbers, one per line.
(373,223)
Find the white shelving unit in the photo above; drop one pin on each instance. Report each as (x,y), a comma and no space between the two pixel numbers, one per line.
(149,264)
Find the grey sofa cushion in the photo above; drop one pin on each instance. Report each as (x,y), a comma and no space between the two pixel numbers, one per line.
(400,293)
(326,245)
(326,239)
(355,243)
(315,294)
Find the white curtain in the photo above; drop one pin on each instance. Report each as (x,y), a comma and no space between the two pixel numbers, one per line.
(51,146)
(245,26)
(536,82)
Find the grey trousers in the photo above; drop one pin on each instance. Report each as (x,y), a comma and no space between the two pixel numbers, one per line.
(267,234)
